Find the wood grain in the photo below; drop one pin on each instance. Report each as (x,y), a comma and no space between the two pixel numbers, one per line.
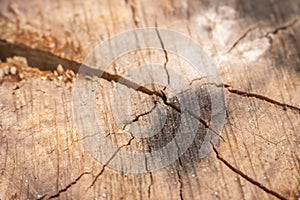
(256,47)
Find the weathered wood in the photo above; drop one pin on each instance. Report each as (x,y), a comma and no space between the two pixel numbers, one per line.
(256,49)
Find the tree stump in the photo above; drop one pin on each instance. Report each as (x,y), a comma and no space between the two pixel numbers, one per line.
(255,47)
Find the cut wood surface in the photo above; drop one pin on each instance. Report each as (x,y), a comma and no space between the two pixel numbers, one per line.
(255,46)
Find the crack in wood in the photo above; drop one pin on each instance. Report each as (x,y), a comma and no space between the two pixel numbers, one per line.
(133,11)
(109,160)
(280,28)
(165,53)
(178,109)
(141,115)
(264,98)
(249,179)
(267,35)
(63,189)
(150,185)
(240,11)
(178,173)
(197,79)
(253,95)
(180,181)
(241,38)
(48,61)
(78,140)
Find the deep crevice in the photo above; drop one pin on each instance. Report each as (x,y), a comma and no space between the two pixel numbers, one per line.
(48,61)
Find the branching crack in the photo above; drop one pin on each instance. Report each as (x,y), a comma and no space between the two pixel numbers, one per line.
(65,188)
(48,61)
(141,115)
(178,109)
(249,179)
(38,57)
(119,79)
(267,35)
(109,160)
(280,28)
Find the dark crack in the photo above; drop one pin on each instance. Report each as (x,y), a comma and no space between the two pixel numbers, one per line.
(178,173)
(47,61)
(209,83)
(150,185)
(268,35)
(119,79)
(78,140)
(109,160)
(63,189)
(241,38)
(254,95)
(141,115)
(180,180)
(249,179)
(197,79)
(133,11)
(280,28)
(165,53)
(264,98)
(178,109)
(138,117)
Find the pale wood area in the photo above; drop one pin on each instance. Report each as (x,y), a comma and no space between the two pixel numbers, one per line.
(256,48)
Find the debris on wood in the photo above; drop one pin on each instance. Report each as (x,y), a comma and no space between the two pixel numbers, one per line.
(70,75)
(1,73)
(13,70)
(16,69)
(21,76)
(60,70)
(17,60)
(55,73)
(64,75)
(6,70)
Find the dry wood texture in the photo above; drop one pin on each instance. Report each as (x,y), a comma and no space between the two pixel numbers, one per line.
(256,48)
